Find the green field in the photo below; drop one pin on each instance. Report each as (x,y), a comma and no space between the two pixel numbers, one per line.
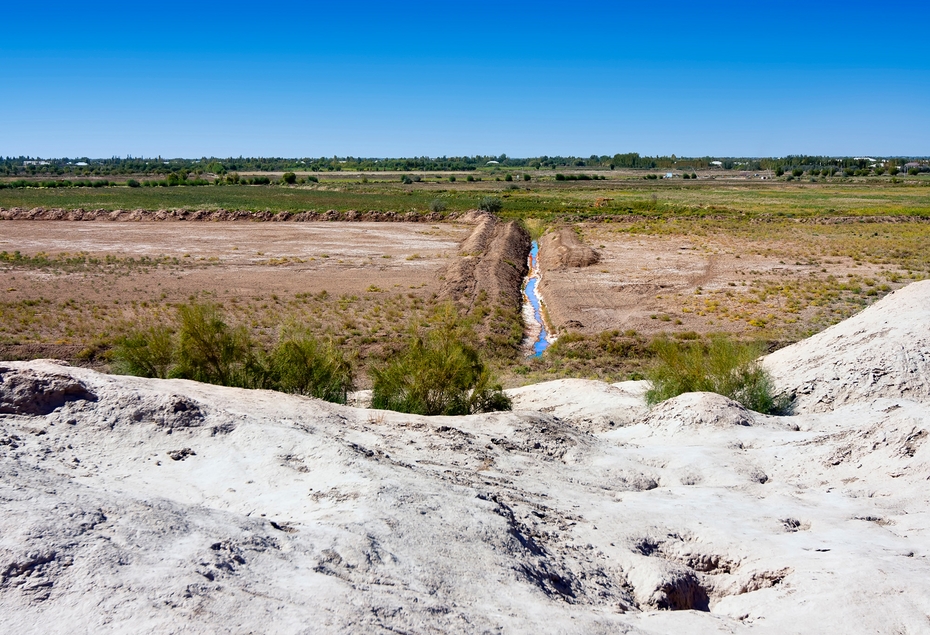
(542,197)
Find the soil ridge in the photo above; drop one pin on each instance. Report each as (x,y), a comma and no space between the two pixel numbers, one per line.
(216,215)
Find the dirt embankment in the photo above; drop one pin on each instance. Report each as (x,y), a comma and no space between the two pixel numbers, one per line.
(561,252)
(41,213)
(563,248)
(489,272)
(491,260)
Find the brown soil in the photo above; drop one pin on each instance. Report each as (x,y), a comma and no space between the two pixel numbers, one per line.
(678,283)
(487,277)
(358,281)
(562,248)
(143,215)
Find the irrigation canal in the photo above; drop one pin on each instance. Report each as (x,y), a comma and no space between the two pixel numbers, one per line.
(532,308)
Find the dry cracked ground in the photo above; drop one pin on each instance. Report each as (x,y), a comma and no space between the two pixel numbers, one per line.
(151,506)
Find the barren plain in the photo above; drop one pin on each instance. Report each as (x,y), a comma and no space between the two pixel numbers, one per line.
(79,282)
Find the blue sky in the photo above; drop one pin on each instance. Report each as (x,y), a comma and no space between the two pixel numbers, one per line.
(408,79)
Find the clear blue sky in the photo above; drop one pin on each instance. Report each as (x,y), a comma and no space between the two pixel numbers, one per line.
(108,79)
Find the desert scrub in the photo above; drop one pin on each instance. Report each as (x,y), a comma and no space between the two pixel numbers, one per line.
(200,345)
(303,365)
(149,352)
(438,373)
(721,365)
(209,350)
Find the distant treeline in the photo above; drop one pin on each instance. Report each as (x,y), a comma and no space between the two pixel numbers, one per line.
(86,167)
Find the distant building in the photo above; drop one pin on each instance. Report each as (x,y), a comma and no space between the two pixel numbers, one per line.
(36,163)
(493,163)
(719,164)
(669,175)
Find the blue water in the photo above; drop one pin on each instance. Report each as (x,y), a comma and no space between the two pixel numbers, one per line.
(542,342)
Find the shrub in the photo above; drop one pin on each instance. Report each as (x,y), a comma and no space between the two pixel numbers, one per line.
(289,178)
(452,179)
(132,183)
(147,353)
(490,204)
(313,179)
(469,178)
(721,365)
(406,180)
(437,205)
(527,177)
(208,349)
(509,177)
(300,364)
(438,373)
(204,348)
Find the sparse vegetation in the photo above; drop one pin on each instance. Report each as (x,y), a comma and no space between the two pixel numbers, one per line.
(722,365)
(203,347)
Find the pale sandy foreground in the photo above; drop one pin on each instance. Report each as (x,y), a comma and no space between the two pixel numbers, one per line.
(142,506)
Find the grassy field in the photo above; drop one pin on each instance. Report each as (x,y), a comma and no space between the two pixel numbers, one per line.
(539,198)
(828,248)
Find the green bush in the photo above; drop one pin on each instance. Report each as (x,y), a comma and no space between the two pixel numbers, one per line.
(721,365)
(204,348)
(209,350)
(301,364)
(148,353)
(437,205)
(490,204)
(289,178)
(438,373)
(132,183)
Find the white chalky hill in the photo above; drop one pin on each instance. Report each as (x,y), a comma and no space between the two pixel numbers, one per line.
(153,506)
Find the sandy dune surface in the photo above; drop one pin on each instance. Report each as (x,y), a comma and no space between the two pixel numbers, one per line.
(151,506)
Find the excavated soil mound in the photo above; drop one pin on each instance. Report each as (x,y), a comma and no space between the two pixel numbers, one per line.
(884,351)
(41,213)
(491,265)
(563,248)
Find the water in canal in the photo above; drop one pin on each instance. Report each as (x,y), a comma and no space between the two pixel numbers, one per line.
(532,310)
